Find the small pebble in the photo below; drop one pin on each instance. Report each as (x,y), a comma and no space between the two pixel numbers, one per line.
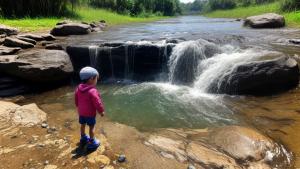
(46,162)
(122,158)
(191,167)
(44,125)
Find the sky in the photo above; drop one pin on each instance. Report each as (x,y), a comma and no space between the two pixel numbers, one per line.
(186,1)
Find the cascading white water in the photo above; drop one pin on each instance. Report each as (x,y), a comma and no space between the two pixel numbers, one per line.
(185,58)
(93,54)
(203,64)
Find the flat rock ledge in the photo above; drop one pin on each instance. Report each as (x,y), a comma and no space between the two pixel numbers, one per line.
(26,116)
(231,147)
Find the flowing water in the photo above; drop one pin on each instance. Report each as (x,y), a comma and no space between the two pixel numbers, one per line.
(181,100)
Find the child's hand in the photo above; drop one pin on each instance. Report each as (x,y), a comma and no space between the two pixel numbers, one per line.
(102,114)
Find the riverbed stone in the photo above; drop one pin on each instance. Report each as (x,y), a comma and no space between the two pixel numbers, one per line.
(27,115)
(14,42)
(71,29)
(259,78)
(268,20)
(8,51)
(8,30)
(39,66)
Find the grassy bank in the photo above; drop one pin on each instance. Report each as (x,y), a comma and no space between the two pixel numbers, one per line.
(292,18)
(82,14)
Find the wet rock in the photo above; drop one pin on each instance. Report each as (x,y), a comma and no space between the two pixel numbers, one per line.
(242,143)
(268,20)
(39,66)
(259,78)
(209,157)
(8,30)
(54,47)
(71,29)
(13,42)
(143,60)
(2,36)
(27,115)
(27,40)
(11,86)
(32,36)
(121,158)
(8,51)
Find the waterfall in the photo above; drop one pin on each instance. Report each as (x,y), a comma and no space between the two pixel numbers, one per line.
(185,58)
(203,65)
(93,54)
(111,63)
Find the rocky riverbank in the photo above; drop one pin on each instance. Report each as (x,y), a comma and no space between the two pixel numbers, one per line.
(39,140)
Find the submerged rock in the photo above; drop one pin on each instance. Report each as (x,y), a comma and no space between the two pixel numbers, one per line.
(244,144)
(231,147)
(71,29)
(8,30)
(259,78)
(269,20)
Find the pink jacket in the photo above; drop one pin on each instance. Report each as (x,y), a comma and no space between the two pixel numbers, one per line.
(88,101)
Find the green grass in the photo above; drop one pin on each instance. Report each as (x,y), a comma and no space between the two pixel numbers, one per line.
(292,18)
(83,14)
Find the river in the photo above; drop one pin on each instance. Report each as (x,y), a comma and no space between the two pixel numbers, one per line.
(161,104)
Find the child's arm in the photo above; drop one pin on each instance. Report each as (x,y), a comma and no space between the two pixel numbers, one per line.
(97,101)
(76,98)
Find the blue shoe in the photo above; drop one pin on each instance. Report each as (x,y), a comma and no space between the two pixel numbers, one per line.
(93,144)
(84,139)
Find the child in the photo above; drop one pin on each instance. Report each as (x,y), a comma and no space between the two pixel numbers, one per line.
(88,101)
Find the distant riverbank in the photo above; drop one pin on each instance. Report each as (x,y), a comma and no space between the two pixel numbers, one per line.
(292,18)
(85,14)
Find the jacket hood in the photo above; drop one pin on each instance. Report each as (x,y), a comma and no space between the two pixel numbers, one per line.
(85,87)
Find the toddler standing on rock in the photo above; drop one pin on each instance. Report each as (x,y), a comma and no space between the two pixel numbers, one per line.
(88,102)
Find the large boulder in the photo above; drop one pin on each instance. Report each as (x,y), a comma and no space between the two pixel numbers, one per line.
(27,115)
(259,77)
(14,42)
(39,66)
(71,29)
(269,20)
(8,30)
